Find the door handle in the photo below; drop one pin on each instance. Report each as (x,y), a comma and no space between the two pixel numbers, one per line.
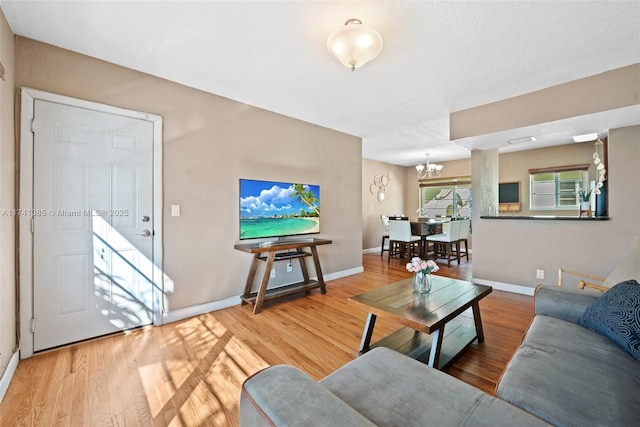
(145,233)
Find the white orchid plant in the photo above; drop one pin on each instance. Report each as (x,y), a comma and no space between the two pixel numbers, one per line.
(426,266)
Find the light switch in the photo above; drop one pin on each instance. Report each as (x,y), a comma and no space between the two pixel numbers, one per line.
(175,210)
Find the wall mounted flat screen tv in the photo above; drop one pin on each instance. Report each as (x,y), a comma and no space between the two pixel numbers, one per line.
(278,209)
(509,192)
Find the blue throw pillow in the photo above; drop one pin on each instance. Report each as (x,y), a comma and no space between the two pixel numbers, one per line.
(616,314)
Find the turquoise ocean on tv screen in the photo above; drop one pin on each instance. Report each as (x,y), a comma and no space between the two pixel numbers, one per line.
(251,228)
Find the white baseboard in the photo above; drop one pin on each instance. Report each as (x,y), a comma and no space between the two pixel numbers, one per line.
(343,273)
(8,374)
(196,310)
(371,250)
(507,287)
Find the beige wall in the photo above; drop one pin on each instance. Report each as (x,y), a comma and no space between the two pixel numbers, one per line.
(394,203)
(606,91)
(209,143)
(510,251)
(7,199)
(514,167)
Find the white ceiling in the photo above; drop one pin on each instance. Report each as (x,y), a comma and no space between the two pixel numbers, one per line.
(438,57)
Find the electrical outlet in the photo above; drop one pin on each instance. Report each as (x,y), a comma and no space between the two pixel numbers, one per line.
(289,267)
(273,273)
(540,274)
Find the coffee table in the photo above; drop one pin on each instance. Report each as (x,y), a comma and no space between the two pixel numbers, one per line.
(434,332)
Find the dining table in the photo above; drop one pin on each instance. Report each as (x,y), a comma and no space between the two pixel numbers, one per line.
(424,228)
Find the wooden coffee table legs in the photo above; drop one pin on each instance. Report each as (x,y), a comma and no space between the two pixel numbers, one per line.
(366,334)
(478,321)
(436,347)
(435,339)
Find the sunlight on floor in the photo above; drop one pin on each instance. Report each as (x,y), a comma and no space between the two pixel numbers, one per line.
(201,380)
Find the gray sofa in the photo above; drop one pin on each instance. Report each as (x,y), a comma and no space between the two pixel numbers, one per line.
(569,375)
(562,374)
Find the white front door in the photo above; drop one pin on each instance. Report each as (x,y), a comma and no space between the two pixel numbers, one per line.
(92,223)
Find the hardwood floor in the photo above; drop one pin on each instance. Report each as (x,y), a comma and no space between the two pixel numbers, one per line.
(189,373)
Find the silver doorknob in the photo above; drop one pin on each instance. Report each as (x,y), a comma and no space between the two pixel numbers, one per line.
(145,233)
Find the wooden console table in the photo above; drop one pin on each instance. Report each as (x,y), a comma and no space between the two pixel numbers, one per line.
(278,251)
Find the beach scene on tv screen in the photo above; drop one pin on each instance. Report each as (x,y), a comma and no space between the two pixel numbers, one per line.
(275,209)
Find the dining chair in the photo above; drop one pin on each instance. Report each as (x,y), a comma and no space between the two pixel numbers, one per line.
(401,241)
(444,244)
(463,237)
(384,222)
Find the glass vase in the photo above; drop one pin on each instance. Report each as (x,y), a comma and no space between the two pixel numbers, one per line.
(422,282)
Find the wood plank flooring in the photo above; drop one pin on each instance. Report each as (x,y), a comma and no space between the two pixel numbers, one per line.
(188,373)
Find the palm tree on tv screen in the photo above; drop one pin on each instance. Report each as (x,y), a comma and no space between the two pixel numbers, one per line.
(306,196)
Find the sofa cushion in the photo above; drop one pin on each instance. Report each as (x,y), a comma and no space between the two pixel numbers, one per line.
(571,376)
(283,395)
(391,389)
(564,303)
(616,314)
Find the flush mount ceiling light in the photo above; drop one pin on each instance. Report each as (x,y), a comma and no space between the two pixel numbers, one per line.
(355,44)
(586,137)
(429,170)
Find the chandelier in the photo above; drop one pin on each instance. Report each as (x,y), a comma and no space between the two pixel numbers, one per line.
(355,44)
(429,170)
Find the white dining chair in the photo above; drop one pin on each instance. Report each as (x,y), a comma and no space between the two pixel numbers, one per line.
(444,243)
(401,241)
(384,222)
(463,237)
